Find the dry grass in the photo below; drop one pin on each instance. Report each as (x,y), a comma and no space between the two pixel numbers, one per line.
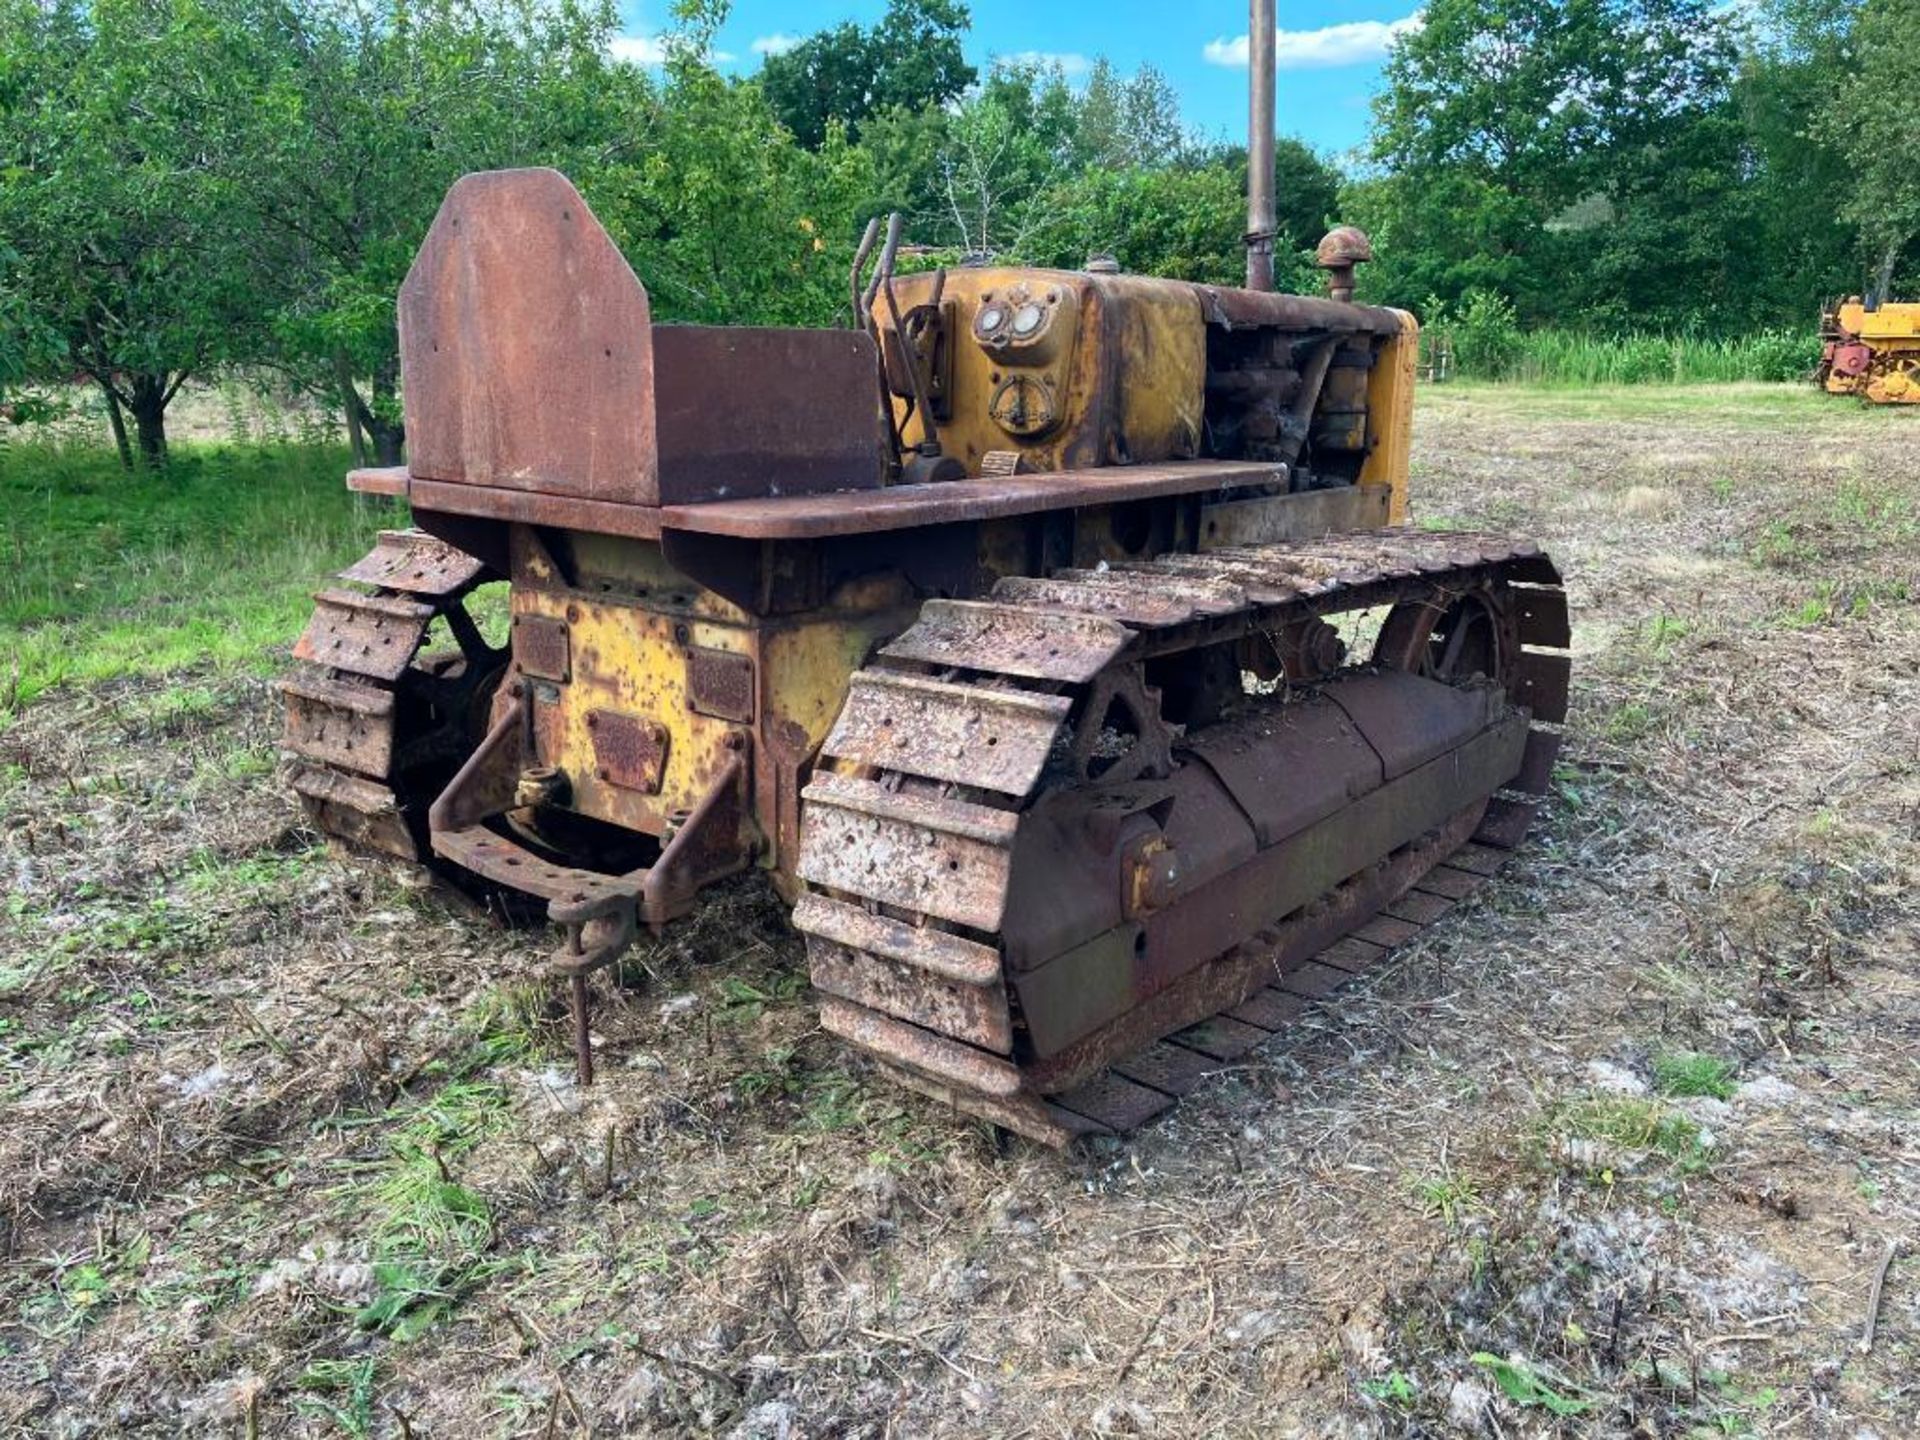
(289,1144)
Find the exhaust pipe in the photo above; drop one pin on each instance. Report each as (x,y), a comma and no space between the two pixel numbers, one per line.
(1260,122)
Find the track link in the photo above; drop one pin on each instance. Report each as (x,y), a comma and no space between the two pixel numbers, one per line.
(370,720)
(960,726)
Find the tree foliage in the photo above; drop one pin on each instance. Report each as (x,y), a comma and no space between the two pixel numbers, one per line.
(1643,163)
(910,59)
(1308,201)
(126,257)
(1127,122)
(1006,149)
(1184,223)
(191,187)
(721,214)
(340,128)
(1570,154)
(1870,125)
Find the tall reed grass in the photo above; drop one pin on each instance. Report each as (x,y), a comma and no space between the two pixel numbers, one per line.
(1562,357)
(1480,338)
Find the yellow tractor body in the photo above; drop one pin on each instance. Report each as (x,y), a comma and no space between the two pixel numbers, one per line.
(1046,635)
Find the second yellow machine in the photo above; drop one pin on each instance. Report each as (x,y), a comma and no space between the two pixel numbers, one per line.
(1871,348)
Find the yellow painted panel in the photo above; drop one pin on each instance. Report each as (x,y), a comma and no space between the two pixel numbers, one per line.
(1889,322)
(1119,363)
(1390,415)
(633,662)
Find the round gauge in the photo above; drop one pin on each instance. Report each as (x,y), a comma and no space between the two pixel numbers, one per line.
(1027,319)
(1023,405)
(989,320)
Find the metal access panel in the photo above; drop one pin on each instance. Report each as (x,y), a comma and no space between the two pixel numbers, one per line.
(752,412)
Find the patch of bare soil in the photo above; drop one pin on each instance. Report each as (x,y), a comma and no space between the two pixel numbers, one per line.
(290,1147)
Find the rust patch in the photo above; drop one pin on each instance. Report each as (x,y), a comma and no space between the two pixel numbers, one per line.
(720,684)
(1005,639)
(802,413)
(416,563)
(942,857)
(1540,683)
(1128,607)
(628,750)
(977,1014)
(360,812)
(912,506)
(543,648)
(939,953)
(339,724)
(518,291)
(921,1050)
(995,739)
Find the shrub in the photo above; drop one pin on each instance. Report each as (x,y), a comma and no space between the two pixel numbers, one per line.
(1486,335)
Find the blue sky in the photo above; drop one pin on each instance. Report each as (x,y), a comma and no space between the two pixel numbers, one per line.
(1330,51)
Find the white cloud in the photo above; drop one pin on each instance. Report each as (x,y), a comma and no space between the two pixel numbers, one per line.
(777,43)
(652,50)
(1071,62)
(1354,43)
(639,49)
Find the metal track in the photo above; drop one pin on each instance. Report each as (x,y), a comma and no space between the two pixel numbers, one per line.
(907,828)
(366,713)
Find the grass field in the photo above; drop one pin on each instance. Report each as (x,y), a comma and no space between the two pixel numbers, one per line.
(289,1144)
(211,563)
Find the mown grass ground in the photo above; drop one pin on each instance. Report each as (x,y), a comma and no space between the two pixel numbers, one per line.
(288,1144)
(1739,405)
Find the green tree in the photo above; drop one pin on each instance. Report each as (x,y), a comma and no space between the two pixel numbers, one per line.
(1540,96)
(1181,222)
(1307,201)
(1125,121)
(1792,69)
(725,219)
(349,126)
(1007,147)
(912,57)
(1870,123)
(1306,192)
(30,348)
(1518,138)
(1671,243)
(903,146)
(130,265)
(1442,235)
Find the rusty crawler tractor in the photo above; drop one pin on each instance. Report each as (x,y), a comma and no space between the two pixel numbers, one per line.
(1871,349)
(1050,638)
